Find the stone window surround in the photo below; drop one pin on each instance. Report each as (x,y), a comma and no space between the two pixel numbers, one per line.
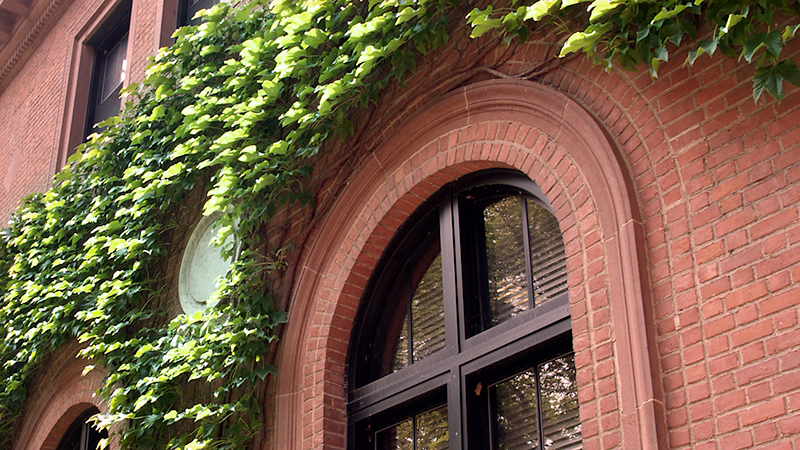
(61,395)
(80,70)
(555,142)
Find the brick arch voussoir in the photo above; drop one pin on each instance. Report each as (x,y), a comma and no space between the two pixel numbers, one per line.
(394,201)
(624,106)
(66,395)
(513,124)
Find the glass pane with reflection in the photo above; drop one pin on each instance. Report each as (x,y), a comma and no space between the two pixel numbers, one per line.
(418,290)
(505,259)
(548,260)
(516,423)
(432,430)
(398,437)
(400,344)
(426,431)
(113,74)
(561,424)
(548,393)
(427,312)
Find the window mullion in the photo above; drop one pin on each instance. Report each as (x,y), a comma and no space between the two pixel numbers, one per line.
(526,239)
(414,436)
(456,410)
(451,275)
(409,311)
(539,420)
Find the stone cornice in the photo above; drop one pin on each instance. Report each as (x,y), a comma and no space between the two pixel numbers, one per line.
(22,24)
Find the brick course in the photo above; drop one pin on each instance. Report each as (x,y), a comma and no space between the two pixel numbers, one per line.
(713,180)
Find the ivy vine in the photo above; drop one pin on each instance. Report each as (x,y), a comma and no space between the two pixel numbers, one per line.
(239,107)
(631,33)
(241,102)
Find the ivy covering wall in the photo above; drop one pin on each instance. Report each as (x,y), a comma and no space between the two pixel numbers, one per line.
(242,105)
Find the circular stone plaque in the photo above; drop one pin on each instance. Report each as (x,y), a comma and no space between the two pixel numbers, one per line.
(201,267)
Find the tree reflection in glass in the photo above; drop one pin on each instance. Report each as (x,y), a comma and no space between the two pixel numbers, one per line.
(516,412)
(561,423)
(548,259)
(505,259)
(538,409)
(398,437)
(423,299)
(523,243)
(426,431)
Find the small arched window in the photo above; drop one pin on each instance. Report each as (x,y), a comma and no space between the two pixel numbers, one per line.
(463,339)
(82,434)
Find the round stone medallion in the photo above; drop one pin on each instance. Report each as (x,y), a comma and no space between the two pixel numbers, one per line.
(201,267)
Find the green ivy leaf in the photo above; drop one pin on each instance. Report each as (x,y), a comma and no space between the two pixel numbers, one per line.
(541,8)
(584,40)
(665,13)
(705,46)
(773,43)
(789,32)
(772,77)
(732,21)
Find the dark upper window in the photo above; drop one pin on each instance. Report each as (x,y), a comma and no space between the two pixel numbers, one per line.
(110,66)
(81,434)
(463,338)
(188,8)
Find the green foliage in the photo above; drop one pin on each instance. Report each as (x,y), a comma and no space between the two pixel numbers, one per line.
(241,102)
(633,32)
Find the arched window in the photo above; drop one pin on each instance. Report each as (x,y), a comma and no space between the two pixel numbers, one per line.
(81,434)
(463,339)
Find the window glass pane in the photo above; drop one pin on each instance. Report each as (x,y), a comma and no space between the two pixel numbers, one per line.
(548,260)
(515,413)
(398,437)
(419,288)
(426,431)
(505,259)
(517,406)
(432,430)
(114,68)
(427,312)
(560,419)
(401,351)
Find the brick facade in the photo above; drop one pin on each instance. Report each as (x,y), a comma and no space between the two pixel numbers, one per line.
(37,103)
(678,199)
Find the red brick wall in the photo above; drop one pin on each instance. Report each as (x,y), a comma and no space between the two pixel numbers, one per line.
(34,105)
(716,176)
(713,180)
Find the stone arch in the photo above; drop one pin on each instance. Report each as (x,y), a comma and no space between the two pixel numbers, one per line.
(511,124)
(63,395)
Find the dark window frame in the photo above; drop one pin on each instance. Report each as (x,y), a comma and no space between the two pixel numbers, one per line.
(470,357)
(188,8)
(81,434)
(109,34)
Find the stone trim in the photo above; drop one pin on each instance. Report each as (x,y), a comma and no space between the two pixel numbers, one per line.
(66,395)
(512,124)
(25,25)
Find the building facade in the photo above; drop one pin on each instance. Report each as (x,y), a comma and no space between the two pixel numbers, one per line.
(677,205)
